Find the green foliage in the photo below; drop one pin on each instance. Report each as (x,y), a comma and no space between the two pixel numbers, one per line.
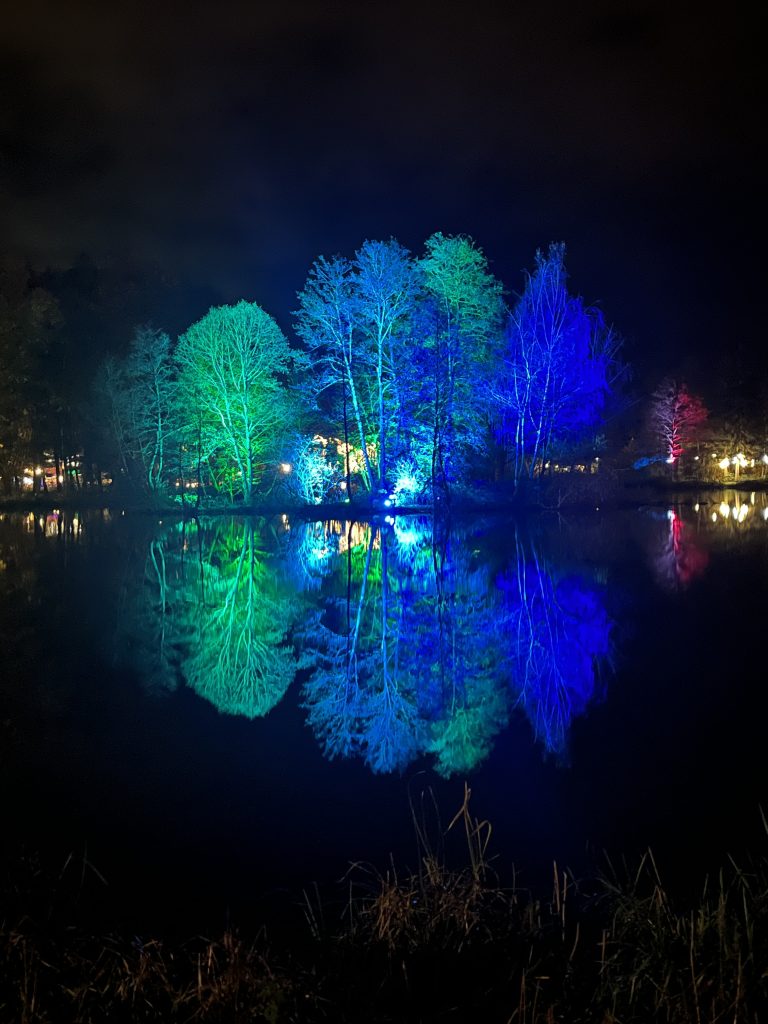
(234,366)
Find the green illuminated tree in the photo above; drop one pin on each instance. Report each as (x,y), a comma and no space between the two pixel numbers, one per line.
(234,366)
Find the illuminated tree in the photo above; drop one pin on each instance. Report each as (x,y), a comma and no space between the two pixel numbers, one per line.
(327,323)
(139,395)
(312,475)
(385,283)
(459,324)
(559,368)
(676,417)
(241,661)
(234,365)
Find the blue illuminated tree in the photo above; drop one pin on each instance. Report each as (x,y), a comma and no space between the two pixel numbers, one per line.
(386,286)
(559,369)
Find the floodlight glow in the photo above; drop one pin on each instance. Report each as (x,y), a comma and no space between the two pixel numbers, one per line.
(406,482)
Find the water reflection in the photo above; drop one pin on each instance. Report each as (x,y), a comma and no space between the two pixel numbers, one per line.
(407,640)
(412,640)
(681,556)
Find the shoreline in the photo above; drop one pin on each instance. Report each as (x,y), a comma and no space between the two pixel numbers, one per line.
(621,497)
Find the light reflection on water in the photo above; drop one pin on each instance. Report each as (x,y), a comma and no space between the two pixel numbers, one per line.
(410,642)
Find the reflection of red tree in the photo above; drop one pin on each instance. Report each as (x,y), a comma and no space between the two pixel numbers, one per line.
(681,559)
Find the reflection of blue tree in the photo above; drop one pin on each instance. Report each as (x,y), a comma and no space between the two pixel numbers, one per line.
(240,661)
(403,663)
(358,700)
(559,633)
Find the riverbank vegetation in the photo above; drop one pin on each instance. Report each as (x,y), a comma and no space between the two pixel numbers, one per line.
(438,943)
(407,380)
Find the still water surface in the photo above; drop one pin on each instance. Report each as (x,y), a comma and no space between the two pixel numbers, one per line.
(217,711)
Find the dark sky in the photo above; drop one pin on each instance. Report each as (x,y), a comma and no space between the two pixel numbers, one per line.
(230,144)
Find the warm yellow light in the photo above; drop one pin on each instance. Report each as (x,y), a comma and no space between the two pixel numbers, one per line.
(696,507)
(725,509)
(714,517)
(724,463)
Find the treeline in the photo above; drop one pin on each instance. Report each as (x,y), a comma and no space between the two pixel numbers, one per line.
(406,373)
(414,375)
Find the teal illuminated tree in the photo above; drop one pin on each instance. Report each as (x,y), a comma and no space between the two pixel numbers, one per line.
(327,323)
(459,324)
(140,399)
(385,282)
(234,365)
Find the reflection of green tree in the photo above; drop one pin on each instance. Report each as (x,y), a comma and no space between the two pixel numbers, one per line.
(462,740)
(457,637)
(240,662)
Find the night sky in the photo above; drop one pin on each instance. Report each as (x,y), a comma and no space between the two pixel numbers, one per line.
(225,146)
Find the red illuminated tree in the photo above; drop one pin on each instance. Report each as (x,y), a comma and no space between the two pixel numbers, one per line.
(676,417)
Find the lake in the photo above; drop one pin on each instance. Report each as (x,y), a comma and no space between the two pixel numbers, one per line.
(217,713)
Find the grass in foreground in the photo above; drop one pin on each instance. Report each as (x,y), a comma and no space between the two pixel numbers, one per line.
(434,945)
